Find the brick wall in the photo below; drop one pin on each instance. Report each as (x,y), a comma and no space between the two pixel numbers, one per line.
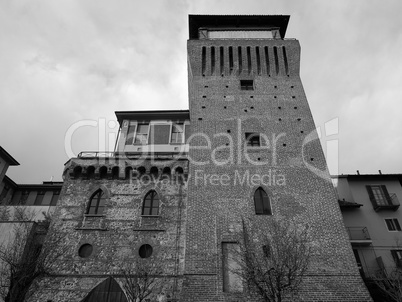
(278,108)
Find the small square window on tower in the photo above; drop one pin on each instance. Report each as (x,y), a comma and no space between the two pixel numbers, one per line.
(247,84)
(253,139)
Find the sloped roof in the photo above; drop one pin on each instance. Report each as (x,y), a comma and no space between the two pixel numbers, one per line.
(11,160)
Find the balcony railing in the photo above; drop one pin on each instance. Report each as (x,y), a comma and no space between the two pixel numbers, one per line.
(359,235)
(129,155)
(391,203)
(95,154)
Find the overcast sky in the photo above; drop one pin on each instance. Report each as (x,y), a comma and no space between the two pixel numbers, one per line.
(63,63)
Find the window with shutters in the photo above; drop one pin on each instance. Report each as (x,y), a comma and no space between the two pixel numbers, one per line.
(393,224)
(381,198)
(150,206)
(262,203)
(397,255)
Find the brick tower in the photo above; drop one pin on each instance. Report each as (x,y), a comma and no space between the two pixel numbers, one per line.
(252,128)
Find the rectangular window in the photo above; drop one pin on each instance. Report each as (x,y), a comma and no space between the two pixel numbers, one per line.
(393,224)
(247,84)
(397,255)
(141,136)
(130,134)
(55,197)
(266,251)
(253,139)
(4,192)
(231,280)
(159,134)
(357,257)
(177,134)
(379,195)
(39,198)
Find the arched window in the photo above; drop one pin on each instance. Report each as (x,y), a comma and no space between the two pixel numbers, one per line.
(77,171)
(261,202)
(179,170)
(96,203)
(103,172)
(151,204)
(115,172)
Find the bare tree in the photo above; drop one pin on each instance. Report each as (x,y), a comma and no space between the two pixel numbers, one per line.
(273,264)
(27,256)
(390,284)
(142,280)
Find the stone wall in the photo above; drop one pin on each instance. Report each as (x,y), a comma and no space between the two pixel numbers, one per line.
(117,234)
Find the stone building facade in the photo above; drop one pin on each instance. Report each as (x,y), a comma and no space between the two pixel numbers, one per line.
(117,210)
(181,182)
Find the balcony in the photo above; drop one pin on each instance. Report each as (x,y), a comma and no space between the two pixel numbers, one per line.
(359,235)
(95,154)
(129,155)
(389,203)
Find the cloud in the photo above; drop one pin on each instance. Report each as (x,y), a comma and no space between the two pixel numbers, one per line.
(67,61)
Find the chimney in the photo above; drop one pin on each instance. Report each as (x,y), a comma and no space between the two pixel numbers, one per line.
(358,173)
(379,171)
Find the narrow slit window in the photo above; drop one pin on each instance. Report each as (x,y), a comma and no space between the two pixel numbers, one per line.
(240,58)
(249,59)
(262,203)
(203,60)
(276,60)
(96,203)
(222,60)
(267,60)
(151,204)
(212,60)
(257,54)
(231,59)
(286,60)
